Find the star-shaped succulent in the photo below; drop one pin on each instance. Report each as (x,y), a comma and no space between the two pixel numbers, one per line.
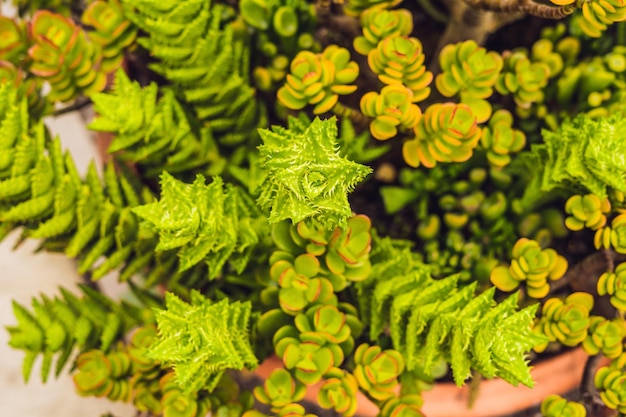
(307,177)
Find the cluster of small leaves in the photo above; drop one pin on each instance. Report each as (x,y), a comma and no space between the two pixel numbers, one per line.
(566,321)
(470,72)
(318,79)
(202,339)
(377,371)
(532,264)
(154,134)
(206,64)
(283,28)
(380,24)
(613,236)
(460,328)
(523,78)
(583,155)
(392,109)
(30,7)
(557,406)
(610,381)
(614,284)
(56,326)
(586,211)
(500,139)
(596,15)
(306,176)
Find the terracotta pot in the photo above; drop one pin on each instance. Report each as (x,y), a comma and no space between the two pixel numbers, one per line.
(496,397)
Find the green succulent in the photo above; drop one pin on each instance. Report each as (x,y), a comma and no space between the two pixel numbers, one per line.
(338,392)
(14,43)
(63,55)
(557,406)
(402,406)
(400,60)
(525,79)
(614,284)
(500,139)
(586,211)
(566,321)
(532,264)
(605,336)
(613,236)
(393,108)
(103,375)
(177,403)
(469,71)
(280,390)
(447,132)
(611,383)
(597,15)
(111,30)
(300,285)
(381,24)
(326,322)
(377,371)
(319,79)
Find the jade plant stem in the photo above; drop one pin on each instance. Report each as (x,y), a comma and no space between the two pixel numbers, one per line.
(359,120)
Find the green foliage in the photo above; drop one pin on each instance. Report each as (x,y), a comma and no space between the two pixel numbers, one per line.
(605,336)
(100,374)
(447,132)
(611,383)
(306,177)
(280,390)
(500,139)
(14,43)
(393,108)
(111,30)
(430,320)
(319,79)
(203,339)
(206,64)
(32,6)
(611,283)
(380,24)
(207,223)
(532,264)
(586,211)
(525,79)
(377,371)
(583,155)
(557,406)
(338,392)
(596,15)
(63,55)
(404,405)
(57,326)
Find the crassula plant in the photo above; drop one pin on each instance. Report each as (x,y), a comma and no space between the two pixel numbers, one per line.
(377,204)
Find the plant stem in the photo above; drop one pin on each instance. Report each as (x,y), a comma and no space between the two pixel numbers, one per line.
(583,276)
(588,395)
(433,11)
(358,119)
(543,11)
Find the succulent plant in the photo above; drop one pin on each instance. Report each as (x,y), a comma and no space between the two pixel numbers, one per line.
(605,336)
(597,15)
(408,405)
(532,264)
(319,79)
(63,55)
(500,139)
(280,390)
(393,108)
(566,321)
(111,30)
(381,24)
(356,7)
(447,132)
(557,406)
(613,236)
(377,371)
(525,79)
(611,383)
(338,392)
(14,43)
(177,403)
(586,211)
(614,284)
(103,375)
(400,60)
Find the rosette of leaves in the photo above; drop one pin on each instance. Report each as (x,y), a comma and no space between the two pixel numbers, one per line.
(319,79)
(203,339)
(566,321)
(557,406)
(532,264)
(582,156)
(104,375)
(525,79)
(403,405)
(377,370)
(605,336)
(206,63)
(306,176)
(613,236)
(432,320)
(111,30)
(500,139)
(393,108)
(596,15)
(153,133)
(57,326)
(400,60)
(29,87)
(447,132)
(209,223)
(338,392)
(280,390)
(357,7)
(175,402)
(611,383)
(30,7)
(614,284)
(63,55)
(586,211)
(381,24)
(300,283)
(14,43)
(470,72)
